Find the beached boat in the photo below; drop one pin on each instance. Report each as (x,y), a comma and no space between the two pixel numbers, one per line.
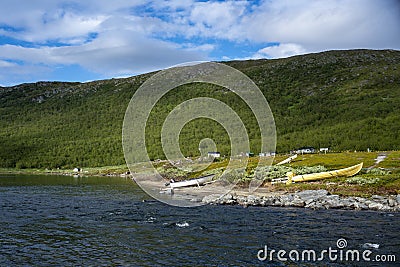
(288,160)
(194,182)
(346,172)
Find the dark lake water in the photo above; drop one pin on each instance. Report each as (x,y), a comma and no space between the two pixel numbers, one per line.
(103,221)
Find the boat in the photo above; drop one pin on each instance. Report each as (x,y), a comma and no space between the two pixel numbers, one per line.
(288,160)
(198,181)
(346,172)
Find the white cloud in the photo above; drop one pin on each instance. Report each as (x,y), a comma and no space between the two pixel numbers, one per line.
(280,51)
(111,53)
(123,44)
(217,18)
(12,73)
(124,52)
(6,64)
(132,36)
(322,25)
(198,48)
(69,28)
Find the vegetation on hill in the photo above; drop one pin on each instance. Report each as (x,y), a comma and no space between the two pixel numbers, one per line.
(344,100)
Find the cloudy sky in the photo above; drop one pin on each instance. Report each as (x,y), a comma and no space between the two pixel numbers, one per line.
(85,40)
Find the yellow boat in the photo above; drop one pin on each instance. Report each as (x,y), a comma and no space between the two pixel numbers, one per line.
(346,172)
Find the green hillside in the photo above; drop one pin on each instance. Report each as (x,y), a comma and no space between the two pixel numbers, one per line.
(344,100)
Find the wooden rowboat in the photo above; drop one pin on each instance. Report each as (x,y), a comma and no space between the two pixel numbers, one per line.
(346,172)
(198,181)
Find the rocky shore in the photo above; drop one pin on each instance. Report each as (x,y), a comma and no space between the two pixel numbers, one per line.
(313,199)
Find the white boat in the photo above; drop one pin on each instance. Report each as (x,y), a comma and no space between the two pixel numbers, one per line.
(288,160)
(198,181)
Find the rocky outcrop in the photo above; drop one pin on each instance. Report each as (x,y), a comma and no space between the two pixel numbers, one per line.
(313,199)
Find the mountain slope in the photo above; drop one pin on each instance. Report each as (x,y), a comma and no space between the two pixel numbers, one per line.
(344,100)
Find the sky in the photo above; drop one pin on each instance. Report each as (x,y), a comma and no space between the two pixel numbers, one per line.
(75,40)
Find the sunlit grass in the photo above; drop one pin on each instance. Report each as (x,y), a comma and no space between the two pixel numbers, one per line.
(336,160)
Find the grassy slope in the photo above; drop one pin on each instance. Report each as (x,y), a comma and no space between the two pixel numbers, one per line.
(345,100)
(339,99)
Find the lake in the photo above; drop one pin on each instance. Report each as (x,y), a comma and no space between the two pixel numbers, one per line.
(109,221)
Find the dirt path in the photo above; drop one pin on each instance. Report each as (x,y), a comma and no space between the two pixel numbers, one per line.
(381,157)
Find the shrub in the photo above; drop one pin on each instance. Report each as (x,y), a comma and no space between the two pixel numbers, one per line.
(378,171)
(362,180)
(273,172)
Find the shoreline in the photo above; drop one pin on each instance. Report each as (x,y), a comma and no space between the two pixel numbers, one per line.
(315,199)
(68,172)
(308,199)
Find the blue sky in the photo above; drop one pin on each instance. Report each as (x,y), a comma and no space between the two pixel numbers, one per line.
(95,39)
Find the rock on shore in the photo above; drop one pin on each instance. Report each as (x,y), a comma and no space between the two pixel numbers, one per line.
(313,199)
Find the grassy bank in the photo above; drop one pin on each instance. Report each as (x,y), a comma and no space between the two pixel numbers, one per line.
(91,171)
(381,178)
